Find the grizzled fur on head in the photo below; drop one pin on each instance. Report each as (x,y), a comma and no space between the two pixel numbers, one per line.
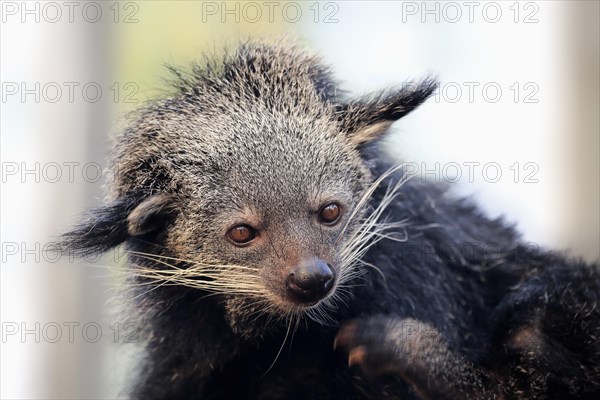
(262,138)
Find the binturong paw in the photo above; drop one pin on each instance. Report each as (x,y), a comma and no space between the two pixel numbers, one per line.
(415,352)
(381,344)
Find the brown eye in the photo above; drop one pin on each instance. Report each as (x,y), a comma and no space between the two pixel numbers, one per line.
(330,213)
(241,234)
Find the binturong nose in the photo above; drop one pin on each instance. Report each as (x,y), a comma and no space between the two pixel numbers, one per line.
(310,281)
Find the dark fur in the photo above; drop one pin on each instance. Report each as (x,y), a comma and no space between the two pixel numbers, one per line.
(449,318)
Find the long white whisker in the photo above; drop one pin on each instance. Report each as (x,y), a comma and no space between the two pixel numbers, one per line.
(371,230)
(280,349)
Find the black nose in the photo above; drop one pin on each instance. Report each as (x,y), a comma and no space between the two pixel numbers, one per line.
(310,281)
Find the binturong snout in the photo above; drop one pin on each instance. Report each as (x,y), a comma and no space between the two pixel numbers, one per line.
(310,281)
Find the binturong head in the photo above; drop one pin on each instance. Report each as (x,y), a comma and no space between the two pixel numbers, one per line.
(249,182)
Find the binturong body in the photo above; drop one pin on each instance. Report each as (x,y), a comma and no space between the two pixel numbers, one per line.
(275,253)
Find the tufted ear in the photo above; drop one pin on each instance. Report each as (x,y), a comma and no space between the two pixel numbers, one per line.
(365,119)
(151,215)
(109,226)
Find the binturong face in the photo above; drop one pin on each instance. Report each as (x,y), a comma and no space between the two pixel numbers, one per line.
(272,210)
(249,185)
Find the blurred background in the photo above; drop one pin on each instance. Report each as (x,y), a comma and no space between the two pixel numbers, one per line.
(515,124)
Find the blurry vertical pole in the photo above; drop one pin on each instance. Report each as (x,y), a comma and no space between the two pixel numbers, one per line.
(76,132)
(581,63)
(93,361)
(40,129)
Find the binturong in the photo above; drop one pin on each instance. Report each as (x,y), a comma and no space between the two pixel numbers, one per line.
(275,252)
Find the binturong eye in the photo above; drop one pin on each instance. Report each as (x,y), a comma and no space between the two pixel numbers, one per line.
(241,234)
(330,213)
